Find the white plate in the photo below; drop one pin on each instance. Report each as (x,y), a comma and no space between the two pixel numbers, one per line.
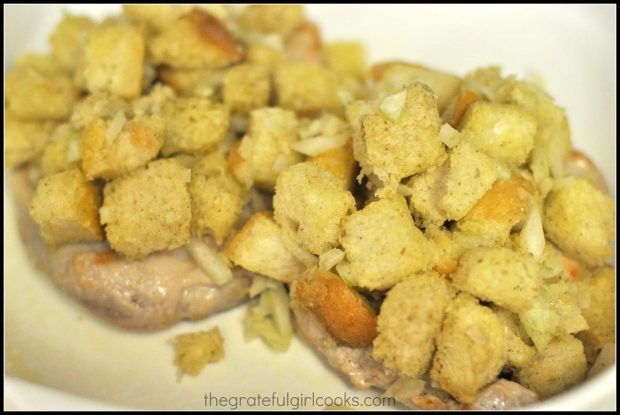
(83,363)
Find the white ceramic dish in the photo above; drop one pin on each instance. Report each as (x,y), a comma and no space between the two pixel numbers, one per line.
(67,359)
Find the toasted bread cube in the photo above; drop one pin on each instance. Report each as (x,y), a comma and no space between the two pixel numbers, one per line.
(562,364)
(383,245)
(246,87)
(470,349)
(62,152)
(148,210)
(346,59)
(598,306)
(426,192)
(310,203)
(519,353)
(579,219)
(503,131)
(97,105)
(24,140)
(393,149)
(66,207)
(44,64)
(273,18)
(156,16)
(339,162)
(197,40)
(259,247)
(409,322)
(34,95)
(304,44)
(391,77)
(69,40)
(114,60)
(305,88)
(239,167)
(194,350)
(205,83)
(345,314)
(194,125)
(111,148)
(258,53)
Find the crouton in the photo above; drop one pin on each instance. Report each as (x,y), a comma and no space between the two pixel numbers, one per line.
(305,87)
(62,152)
(339,162)
(597,302)
(114,60)
(582,166)
(239,167)
(382,244)
(196,40)
(391,77)
(409,321)
(503,131)
(274,18)
(266,146)
(246,87)
(258,247)
(260,53)
(97,105)
(66,207)
(344,313)
(154,102)
(304,44)
(205,83)
(518,350)
(24,140)
(194,125)
(346,59)
(447,250)
(111,148)
(32,95)
(310,203)
(458,106)
(148,210)
(425,191)
(156,16)
(404,141)
(579,219)
(69,40)
(470,349)
(562,364)
(194,350)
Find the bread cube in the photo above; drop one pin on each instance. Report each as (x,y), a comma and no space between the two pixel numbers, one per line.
(562,364)
(597,302)
(62,152)
(111,148)
(44,64)
(193,125)
(339,162)
(66,207)
(246,87)
(24,140)
(346,59)
(470,349)
(426,191)
(304,44)
(258,247)
(196,40)
(97,105)
(148,210)
(383,245)
(69,40)
(261,53)
(579,219)
(305,88)
(310,203)
(204,83)
(114,60)
(519,353)
(273,18)
(156,16)
(409,322)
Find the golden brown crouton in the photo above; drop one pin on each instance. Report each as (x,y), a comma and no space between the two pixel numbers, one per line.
(193,125)
(156,16)
(148,210)
(597,302)
(239,167)
(503,131)
(447,250)
(246,87)
(195,41)
(409,321)
(304,44)
(97,105)
(260,53)
(579,219)
(69,40)
(205,83)
(470,349)
(561,365)
(66,207)
(340,163)
(305,87)
(63,151)
(274,18)
(258,247)
(346,59)
(114,60)
(24,140)
(110,149)
(345,314)
(383,245)
(458,106)
(310,203)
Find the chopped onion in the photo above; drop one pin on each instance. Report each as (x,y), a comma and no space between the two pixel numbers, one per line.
(305,257)
(532,233)
(344,271)
(319,145)
(329,259)
(280,163)
(405,389)
(393,105)
(270,319)
(345,97)
(449,135)
(210,262)
(116,126)
(261,283)
(73,150)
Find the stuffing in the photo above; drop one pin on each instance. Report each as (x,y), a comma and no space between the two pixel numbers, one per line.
(470,349)
(66,207)
(260,53)
(24,140)
(44,64)
(69,40)
(503,131)
(518,350)
(409,322)
(447,250)
(274,18)
(579,219)
(156,16)
(304,44)
(239,167)
(193,125)
(310,203)
(382,244)
(459,104)
(114,60)
(148,210)
(62,152)
(339,162)
(154,102)
(597,302)
(204,83)
(305,88)
(246,87)
(97,105)
(344,313)
(426,191)
(346,59)
(259,247)
(111,148)
(196,40)
(194,350)
(561,365)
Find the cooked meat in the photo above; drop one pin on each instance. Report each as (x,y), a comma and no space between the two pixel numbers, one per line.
(504,394)
(153,293)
